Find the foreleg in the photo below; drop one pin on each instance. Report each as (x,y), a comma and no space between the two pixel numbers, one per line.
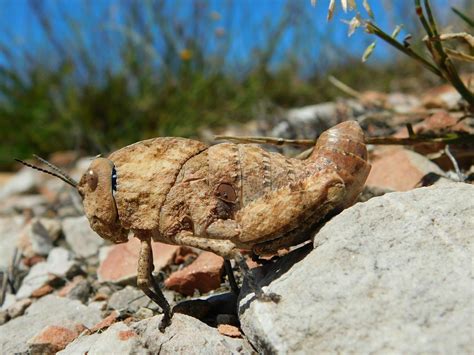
(148,284)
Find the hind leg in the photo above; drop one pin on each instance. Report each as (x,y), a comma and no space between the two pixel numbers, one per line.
(282,211)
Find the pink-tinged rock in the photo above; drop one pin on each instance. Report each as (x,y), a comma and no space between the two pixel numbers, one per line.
(54,338)
(184,253)
(438,123)
(118,263)
(42,291)
(229,330)
(105,323)
(399,169)
(204,275)
(444,97)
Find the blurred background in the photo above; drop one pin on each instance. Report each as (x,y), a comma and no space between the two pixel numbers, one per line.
(92,76)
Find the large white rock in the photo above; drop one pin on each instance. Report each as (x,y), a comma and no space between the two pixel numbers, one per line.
(391,275)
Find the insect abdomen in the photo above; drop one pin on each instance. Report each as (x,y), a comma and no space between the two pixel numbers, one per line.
(343,148)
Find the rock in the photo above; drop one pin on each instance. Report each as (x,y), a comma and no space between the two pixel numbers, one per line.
(36,204)
(392,275)
(129,299)
(118,338)
(185,335)
(78,289)
(53,226)
(118,263)
(54,338)
(83,241)
(204,274)
(81,345)
(184,255)
(37,277)
(439,123)
(443,96)
(105,323)
(49,310)
(10,229)
(399,169)
(143,313)
(61,263)
(42,291)
(229,330)
(8,301)
(18,308)
(58,265)
(25,181)
(35,239)
(442,123)
(4,317)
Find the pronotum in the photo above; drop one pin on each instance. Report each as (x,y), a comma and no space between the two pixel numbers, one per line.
(224,198)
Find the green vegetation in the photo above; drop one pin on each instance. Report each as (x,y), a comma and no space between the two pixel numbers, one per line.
(163,80)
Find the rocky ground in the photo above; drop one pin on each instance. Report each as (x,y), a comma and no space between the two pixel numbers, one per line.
(393,273)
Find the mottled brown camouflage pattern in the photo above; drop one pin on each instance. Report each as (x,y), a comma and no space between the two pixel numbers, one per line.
(225,197)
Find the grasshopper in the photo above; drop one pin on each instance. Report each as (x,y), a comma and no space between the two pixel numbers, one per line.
(224,198)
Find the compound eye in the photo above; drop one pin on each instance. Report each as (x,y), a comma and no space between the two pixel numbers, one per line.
(92,179)
(114,179)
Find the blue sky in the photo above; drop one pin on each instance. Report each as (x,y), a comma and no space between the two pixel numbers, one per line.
(20,29)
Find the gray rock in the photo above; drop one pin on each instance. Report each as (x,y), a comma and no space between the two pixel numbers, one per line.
(36,239)
(26,180)
(4,317)
(49,310)
(18,308)
(81,291)
(143,313)
(129,299)
(10,229)
(53,226)
(79,235)
(310,121)
(118,338)
(38,204)
(187,335)
(81,345)
(60,262)
(37,276)
(8,301)
(391,275)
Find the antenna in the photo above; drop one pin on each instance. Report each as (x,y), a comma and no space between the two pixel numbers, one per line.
(60,174)
(55,168)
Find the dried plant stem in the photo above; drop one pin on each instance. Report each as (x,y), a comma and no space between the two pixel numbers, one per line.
(374,29)
(468,20)
(344,87)
(443,66)
(413,140)
(439,55)
(454,162)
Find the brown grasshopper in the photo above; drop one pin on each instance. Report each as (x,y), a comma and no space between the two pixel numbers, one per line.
(224,198)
